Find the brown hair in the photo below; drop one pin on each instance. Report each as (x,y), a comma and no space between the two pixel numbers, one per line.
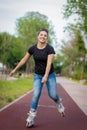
(43,29)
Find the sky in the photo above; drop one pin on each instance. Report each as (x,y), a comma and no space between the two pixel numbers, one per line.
(11,10)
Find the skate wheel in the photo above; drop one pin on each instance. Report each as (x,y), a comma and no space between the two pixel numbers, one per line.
(63,114)
(28,125)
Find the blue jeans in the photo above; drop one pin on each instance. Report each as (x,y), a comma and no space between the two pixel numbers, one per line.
(38,85)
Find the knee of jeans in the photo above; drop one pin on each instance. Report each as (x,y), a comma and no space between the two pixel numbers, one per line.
(53,97)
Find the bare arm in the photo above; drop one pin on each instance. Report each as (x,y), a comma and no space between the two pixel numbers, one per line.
(20,64)
(48,67)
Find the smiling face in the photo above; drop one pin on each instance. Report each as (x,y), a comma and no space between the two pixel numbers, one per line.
(42,37)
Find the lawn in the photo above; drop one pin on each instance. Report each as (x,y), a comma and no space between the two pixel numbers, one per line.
(11,90)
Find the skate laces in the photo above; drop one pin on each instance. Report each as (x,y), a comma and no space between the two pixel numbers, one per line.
(32,113)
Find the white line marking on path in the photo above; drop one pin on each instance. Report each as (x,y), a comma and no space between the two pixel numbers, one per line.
(47,106)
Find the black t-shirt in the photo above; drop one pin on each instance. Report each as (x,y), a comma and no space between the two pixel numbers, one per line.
(40,58)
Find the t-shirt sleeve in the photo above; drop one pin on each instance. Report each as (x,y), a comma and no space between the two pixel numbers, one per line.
(51,50)
(31,50)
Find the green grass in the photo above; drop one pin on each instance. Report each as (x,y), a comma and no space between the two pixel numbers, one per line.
(11,90)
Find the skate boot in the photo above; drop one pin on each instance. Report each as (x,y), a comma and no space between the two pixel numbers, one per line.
(60,108)
(30,119)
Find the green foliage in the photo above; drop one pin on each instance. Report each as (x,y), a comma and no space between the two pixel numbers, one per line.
(58,63)
(5,39)
(79,10)
(16,52)
(29,25)
(10,52)
(73,56)
(74,51)
(77,73)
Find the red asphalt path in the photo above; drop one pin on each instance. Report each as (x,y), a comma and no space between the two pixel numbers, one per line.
(48,118)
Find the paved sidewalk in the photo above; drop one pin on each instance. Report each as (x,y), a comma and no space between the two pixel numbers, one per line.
(77,91)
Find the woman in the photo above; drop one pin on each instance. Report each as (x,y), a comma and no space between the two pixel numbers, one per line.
(43,55)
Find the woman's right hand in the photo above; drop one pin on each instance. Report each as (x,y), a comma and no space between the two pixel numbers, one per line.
(12,72)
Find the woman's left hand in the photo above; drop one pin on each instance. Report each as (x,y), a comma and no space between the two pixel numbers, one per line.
(44,79)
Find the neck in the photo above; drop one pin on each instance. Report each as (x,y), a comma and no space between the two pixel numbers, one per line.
(41,45)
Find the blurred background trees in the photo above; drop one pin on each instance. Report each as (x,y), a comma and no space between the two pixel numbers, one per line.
(74,49)
(71,59)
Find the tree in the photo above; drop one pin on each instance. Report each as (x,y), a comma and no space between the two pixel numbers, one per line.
(29,25)
(10,51)
(77,8)
(77,32)
(73,55)
(5,39)
(14,51)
